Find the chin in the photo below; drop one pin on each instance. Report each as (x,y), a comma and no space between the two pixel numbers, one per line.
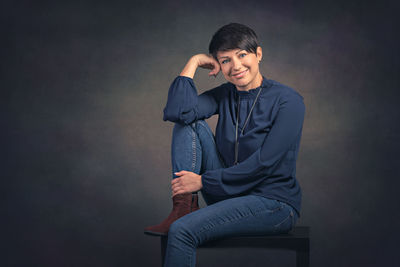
(241,83)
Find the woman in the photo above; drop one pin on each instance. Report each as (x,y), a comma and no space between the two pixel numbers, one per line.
(246,174)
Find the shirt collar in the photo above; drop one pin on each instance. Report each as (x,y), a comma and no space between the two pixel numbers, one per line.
(252,92)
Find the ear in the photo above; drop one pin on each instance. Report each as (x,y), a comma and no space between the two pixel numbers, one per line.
(259,53)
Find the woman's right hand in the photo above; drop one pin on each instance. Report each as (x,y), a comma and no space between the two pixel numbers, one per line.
(208,62)
(203,61)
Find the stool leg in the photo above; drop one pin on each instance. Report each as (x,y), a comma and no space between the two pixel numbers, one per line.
(303,258)
(164,240)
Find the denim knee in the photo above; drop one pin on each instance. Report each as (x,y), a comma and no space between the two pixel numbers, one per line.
(178,232)
(193,125)
(179,126)
(185,129)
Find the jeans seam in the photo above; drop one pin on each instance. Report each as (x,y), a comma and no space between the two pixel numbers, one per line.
(193,149)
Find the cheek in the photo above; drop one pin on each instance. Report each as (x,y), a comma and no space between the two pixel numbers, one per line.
(253,64)
(225,71)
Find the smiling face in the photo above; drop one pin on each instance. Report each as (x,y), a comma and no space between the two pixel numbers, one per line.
(241,68)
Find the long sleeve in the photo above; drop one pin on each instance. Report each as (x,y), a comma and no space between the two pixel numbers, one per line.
(277,148)
(185,106)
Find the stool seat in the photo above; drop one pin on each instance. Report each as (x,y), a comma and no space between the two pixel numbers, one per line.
(298,240)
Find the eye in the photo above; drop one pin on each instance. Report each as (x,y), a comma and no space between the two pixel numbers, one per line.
(242,55)
(224,61)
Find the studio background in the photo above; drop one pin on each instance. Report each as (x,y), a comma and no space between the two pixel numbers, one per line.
(86,154)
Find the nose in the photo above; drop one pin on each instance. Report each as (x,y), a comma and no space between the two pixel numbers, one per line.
(236,64)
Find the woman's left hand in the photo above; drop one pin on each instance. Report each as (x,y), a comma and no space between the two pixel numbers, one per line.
(187,182)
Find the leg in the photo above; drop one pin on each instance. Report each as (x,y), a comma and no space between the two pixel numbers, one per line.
(194,149)
(303,256)
(246,215)
(163,248)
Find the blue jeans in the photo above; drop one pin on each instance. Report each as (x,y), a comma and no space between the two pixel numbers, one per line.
(194,149)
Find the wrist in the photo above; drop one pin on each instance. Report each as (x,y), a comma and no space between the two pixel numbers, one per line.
(190,69)
(201,182)
(194,61)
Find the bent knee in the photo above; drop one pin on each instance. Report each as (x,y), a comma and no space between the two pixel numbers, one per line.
(177,228)
(179,126)
(180,231)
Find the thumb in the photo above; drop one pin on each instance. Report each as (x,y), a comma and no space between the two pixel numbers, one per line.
(180,173)
(212,73)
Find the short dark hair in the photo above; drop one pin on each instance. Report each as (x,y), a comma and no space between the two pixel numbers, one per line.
(233,36)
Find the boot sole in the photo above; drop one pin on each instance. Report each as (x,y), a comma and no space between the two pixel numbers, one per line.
(155,233)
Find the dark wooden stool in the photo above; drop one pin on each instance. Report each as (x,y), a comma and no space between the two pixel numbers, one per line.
(297,240)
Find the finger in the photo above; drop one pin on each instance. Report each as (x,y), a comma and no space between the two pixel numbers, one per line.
(175,181)
(178,192)
(175,192)
(207,66)
(215,71)
(176,187)
(182,172)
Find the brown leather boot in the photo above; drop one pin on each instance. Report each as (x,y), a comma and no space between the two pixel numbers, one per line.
(182,205)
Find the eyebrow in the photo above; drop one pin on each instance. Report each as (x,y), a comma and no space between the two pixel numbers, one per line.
(235,53)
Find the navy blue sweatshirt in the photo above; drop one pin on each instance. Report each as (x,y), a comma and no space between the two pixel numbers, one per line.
(268,147)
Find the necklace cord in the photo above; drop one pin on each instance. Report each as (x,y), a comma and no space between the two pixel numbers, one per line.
(244,126)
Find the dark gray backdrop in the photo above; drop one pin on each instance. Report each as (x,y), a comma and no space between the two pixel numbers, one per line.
(86,155)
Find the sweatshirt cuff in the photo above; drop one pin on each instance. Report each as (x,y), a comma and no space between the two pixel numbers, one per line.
(211,181)
(182,101)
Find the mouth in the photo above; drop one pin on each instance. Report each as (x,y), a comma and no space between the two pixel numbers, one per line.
(240,74)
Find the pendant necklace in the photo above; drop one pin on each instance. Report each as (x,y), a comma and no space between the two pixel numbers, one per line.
(244,126)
